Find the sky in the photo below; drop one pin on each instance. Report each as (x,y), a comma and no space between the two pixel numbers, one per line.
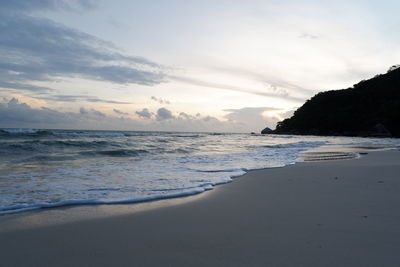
(209,66)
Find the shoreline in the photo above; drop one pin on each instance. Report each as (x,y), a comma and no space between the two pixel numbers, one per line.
(59,214)
(326,213)
(322,153)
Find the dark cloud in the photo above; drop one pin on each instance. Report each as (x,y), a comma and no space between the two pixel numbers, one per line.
(21,114)
(119,112)
(144,113)
(91,112)
(164,114)
(160,100)
(24,87)
(83,111)
(210,119)
(28,5)
(95,99)
(36,49)
(186,116)
(15,104)
(14,114)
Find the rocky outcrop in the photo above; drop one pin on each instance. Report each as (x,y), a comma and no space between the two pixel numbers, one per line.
(369,108)
(266,131)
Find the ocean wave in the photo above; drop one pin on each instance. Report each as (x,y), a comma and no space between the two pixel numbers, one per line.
(116,152)
(47,158)
(51,171)
(301,144)
(53,146)
(88,134)
(221,170)
(59,133)
(189,136)
(218,133)
(74,143)
(81,202)
(179,151)
(24,132)
(207,186)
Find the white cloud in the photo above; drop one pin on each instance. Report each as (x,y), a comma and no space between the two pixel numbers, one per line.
(256,117)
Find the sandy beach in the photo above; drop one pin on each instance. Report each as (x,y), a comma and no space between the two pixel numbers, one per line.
(327,213)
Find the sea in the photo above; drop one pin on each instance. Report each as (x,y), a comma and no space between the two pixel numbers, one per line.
(52,168)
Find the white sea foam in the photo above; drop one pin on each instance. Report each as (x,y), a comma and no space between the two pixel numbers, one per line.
(88,134)
(63,133)
(130,167)
(20,131)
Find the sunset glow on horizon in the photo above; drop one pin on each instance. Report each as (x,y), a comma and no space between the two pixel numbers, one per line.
(184,65)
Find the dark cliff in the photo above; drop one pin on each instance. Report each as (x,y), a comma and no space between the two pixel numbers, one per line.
(369,108)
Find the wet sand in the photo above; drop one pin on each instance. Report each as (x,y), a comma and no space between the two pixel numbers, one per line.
(330,213)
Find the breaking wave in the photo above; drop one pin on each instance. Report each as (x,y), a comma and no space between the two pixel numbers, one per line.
(52,168)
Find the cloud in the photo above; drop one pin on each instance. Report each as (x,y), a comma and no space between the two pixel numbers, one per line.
(243,114)
(91,112)
(164,114)
(15,104)
(308,36)
(271,80)
(119,112)
(24,87)
(15,114)
(144,113)
(95,99)
(186,116)
(253,117)
(197,82)
(37,49)
(210,119)
(27,5)
(160,100)
(77,98)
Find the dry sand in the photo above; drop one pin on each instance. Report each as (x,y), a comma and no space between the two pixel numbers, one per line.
(331,213)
